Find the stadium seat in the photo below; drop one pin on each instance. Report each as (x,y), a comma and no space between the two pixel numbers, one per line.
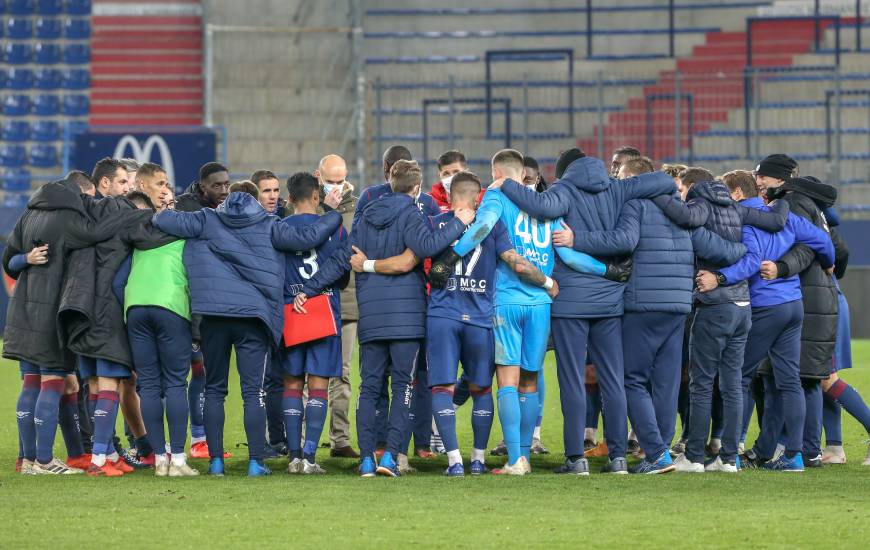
(76,79)
(77,28)
(48,28)
(45,130)
(76,105)
(15,130)
(15,180)
(13,156)
(49,7)
(43,156)
(46,105)
(18,54)
(76,54)
(3,78)
(20,7)
(16,105)
(48,79)
(20,79)
(16,200)
(47,54)
(19,29)
(78,7)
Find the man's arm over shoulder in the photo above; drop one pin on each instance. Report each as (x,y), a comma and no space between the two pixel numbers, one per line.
(621,240)
(770,219)
(488,215)
(715,249)
(551,204)
(750,263)
(426,242)
(689,215)
(186,225)
(817,239)
(294,238)
(82,231)
(332,271)
(647,186)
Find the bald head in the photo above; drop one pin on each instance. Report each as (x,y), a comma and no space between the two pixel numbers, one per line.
(331,172)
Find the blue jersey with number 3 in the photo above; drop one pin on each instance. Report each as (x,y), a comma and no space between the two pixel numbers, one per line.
(468,296)
(302,266)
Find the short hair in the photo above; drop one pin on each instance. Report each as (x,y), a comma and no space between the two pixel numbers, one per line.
(639,166)
(245,186)
(396,153)
(139,198)
(450,157)
(130,165)
(302,186)
(743,180)
(149,169)
(261,175)
(210,168)
(405,175)
(674,170)
(531,162)
(510,158)
(695,174)
(81,179)
(465,184)
(106,168)
(628,151)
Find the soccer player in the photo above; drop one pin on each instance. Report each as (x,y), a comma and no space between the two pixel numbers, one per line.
(450,163)
(151,180)
(209,191)
(269,189)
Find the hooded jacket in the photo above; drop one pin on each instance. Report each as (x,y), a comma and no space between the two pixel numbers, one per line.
(589,200)
(393,307)
(424,201)
(192,200)
(234,257)
(808,197)
(55,216)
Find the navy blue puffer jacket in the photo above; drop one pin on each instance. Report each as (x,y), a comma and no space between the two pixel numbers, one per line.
(235,257)
(393,307)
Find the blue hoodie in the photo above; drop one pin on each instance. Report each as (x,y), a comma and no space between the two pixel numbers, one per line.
(393,307)
(589,200)
(424,201)
(761,245)
(234,258)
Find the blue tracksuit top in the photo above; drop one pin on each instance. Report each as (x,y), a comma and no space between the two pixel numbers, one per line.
(761,245)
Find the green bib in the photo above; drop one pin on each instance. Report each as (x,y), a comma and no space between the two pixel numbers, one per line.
(158,278)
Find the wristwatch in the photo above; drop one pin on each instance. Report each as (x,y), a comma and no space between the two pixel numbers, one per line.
(720,278)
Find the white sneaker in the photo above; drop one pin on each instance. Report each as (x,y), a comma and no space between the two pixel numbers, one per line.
(309,468)
(719,466)
(55,467)
(295,466)
(181,469)
(778,452)
(682,464)
(404,467)
(27,468)
(520,468)
(161,465)
(867,460)
(834,454)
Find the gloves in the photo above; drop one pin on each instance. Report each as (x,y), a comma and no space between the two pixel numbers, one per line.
(442,268)
(618,270)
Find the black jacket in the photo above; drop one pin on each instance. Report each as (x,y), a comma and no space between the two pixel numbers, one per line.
(818,337)
(192,200)
(90,318)
(56,216)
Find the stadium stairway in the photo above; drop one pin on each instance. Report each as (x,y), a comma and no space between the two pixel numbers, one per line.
(147,62)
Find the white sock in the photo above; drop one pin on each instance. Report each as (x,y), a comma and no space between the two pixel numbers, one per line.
(435,429)
(537,433)
(178,459)
(114,457)
(632,436)
(454,457)
(478,454)
(195,440)
(590,434)
(160,459)
(715,442)
(98,460)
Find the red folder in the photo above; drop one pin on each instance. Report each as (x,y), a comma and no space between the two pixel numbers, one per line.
(305,327)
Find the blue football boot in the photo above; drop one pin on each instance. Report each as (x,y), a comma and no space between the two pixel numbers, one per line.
(388,466)
(257,468)
(368,467)
(216,467)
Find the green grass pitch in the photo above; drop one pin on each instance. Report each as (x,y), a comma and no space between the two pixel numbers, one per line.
(829,507)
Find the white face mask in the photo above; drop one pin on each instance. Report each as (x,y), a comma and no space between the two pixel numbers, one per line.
(330,187)
(446,181)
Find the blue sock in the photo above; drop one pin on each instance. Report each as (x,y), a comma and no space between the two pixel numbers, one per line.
(481,417)
(528,415)
(25,413)
(105,415)
(315,418)
(68,418)
(293,411)
(542,392)
(45,417)
(445,416)
(851,400)
(509,417)
(832,421)
(196,396)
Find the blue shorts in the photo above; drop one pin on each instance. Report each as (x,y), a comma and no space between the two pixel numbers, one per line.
(91,368)
(319,358)
(30,368)
(449,342)
(521,334)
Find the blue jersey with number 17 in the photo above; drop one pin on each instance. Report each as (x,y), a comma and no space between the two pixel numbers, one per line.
(532,239)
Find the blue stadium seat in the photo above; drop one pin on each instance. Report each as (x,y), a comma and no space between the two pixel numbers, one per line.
(76,79)
(46,105)
(43,156)
(48,79)
(48,28)
(76,105)
(20,79)
(15,200)
(16,105)
(3,77)
(49,7)
(13,156)
(77,28)
(76,54)
(18,54)
(78,7)
(47,54)
(15,180)
(19,28)
(20,7)
(15,130)
(45,130)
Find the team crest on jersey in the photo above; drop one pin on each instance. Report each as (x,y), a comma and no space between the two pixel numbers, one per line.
(451,284)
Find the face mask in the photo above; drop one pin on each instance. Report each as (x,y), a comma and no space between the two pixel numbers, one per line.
(330,187)
(446,181)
